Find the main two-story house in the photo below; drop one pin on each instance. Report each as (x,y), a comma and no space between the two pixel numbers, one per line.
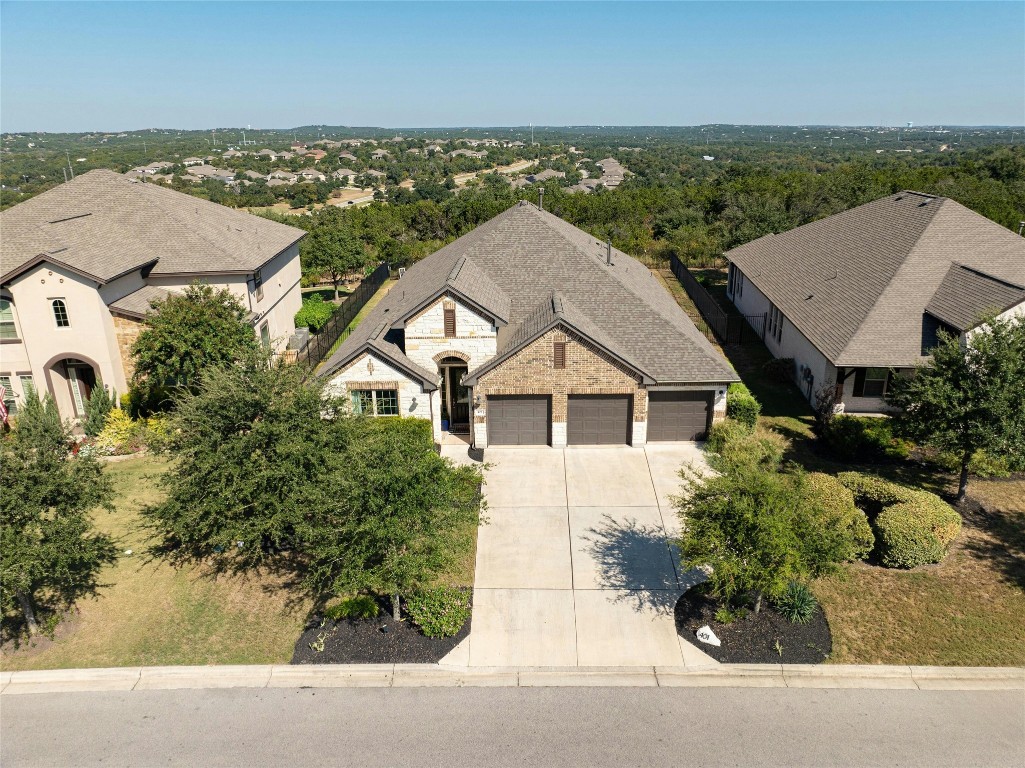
(859,297)
(529,331)
(81,263)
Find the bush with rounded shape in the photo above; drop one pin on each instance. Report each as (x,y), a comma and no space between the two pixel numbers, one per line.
(741,405)
(873,493)
(119,434)
(314,313)
(723,433)
(916,532)
(835,510)
(441,611)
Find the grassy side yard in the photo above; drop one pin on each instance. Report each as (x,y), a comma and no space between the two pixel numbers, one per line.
(148,613)
(967,610)
(373,302)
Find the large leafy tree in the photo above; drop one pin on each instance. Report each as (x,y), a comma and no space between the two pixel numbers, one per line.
(332,248)
(274,472)
(50,552)
(969,397)
(406,512)
(186,333)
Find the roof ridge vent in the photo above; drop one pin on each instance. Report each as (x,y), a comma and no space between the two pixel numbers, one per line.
(456,269)
(70,218)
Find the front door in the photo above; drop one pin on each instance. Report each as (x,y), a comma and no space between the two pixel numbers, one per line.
(456,398)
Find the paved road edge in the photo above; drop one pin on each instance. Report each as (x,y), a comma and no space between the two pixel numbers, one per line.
(427,675)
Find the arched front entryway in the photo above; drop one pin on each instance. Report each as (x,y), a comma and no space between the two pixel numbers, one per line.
(71,381)
(455,398)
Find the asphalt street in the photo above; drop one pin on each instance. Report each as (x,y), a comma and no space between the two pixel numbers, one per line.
(515,726)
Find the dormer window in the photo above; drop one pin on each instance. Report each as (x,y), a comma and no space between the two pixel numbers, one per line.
(60,313)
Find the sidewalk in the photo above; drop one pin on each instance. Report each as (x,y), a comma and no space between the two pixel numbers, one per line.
(434,675)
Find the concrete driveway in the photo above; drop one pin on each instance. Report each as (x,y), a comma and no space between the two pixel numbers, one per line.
(575,566)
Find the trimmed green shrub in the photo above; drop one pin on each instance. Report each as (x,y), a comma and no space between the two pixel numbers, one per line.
(833,505)
(441,611)
(358,607)
(732,446)
(864,439)
(741,405)
(120,434)
(797,604)
(913,527)
(315,313)
(916,532)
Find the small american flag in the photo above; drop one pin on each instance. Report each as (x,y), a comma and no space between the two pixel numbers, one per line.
(3,404)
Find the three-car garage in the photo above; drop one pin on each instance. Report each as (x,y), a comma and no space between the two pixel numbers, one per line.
(672,416)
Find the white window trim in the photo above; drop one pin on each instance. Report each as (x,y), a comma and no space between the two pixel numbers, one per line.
(373,397)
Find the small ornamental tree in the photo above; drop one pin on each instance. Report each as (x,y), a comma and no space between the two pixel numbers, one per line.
(97,407)
(50,553)
(186,333)
(760,529)
(332,249)
(969,398)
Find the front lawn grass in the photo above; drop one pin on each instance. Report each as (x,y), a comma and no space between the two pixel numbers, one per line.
(968,610)
(150,614)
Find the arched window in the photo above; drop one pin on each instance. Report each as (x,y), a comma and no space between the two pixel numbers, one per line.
(60,313)
(8,330)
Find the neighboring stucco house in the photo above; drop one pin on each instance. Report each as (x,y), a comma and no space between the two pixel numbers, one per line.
(529,331)
(82,262)
(859,297)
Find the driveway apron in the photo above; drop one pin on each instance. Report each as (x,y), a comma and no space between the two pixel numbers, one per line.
(574,566)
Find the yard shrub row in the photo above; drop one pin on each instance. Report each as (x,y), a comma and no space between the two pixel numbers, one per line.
(913,527)
(864,439)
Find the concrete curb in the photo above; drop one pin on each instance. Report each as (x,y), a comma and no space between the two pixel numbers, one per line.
(434,675)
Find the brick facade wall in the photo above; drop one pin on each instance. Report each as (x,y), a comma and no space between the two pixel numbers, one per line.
(532,371)
(126,330)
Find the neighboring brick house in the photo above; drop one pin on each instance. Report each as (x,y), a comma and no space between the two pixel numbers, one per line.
(83,261)
(529,331)
(859,297)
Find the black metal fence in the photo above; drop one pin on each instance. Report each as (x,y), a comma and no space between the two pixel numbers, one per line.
(728,329)
(319,345)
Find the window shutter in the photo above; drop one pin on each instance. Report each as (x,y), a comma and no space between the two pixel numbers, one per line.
(450,322)
(859,382)
(559,360)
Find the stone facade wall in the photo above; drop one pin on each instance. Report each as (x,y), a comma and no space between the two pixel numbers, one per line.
(413,401)
(476,337)
(532,371)
(126,330)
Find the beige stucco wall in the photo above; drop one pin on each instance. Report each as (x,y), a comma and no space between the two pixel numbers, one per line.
(90,337)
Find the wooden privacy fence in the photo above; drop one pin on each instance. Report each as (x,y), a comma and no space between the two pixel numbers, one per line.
(728,329)
(319,345)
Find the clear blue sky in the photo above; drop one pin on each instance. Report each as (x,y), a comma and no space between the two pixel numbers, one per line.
(107,66)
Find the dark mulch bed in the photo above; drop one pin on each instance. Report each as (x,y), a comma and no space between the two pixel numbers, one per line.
(752,640)
(364,641)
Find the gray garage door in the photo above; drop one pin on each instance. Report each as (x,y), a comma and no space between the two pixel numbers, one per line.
(599,419)
(678,415)
(519,419)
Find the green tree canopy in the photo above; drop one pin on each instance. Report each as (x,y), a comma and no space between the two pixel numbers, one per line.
(272,471)
(332,249)
(50,553)
(969,398)
(186,333)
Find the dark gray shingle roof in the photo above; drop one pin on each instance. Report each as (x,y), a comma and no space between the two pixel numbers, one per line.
(103,224)
(856,283)
(966,295)
(523,256)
